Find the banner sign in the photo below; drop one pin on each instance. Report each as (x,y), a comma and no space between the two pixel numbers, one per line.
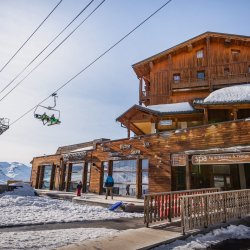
(229,158)
(179,160)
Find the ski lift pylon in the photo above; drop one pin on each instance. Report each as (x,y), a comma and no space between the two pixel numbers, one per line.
(4,124)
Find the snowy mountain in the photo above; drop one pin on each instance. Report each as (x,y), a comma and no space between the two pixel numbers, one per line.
(14,171)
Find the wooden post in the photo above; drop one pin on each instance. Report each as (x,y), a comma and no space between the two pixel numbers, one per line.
(235,116)
(188,186)
(69,169)
(205,121)
(140,91)
(138,178)
(84,176)
(128,129)
(52,177)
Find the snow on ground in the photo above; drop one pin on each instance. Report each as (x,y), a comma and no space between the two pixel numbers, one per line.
(201,241)
(25,210)
(50,239)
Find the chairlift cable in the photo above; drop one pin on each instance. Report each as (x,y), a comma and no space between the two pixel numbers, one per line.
(95,60)
(7,85)
(31,35)
(52,51)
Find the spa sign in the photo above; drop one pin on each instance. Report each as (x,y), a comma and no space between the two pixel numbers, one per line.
(230,158)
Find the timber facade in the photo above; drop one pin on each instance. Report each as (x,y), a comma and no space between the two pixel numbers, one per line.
(191,127)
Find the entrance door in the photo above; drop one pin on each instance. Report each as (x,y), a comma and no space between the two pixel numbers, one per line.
(76,176)
(178,178)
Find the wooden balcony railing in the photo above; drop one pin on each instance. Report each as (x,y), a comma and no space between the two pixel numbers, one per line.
(230,78)
(203,210)
(189,83)
(166,206)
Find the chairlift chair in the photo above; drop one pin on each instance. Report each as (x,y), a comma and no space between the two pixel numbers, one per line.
(52,119)
(4,124)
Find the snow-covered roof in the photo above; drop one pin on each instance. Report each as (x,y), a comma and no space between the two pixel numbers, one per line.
(172,107)
(239,93)
(83,149)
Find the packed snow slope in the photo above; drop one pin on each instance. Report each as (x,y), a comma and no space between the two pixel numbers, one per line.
(22,207)
(14,171)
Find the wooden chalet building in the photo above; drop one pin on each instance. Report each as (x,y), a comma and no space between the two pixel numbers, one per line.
(191,127)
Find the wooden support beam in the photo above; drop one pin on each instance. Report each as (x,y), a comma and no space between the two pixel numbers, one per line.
(128,128)
(235,115)
(188,177)
(138,178)
(140,91)
(205,121)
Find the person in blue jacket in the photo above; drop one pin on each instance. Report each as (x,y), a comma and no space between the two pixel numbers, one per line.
(109,183)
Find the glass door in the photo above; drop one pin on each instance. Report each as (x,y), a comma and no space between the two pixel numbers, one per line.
(76,176)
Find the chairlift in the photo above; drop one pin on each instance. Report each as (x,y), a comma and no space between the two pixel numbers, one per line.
(48,115)
(4,124)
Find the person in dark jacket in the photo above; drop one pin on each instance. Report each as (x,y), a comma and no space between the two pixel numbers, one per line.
(79,188)
(109,183)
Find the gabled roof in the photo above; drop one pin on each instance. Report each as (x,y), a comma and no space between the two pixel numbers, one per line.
(163,109)
(232,94)
(190,41)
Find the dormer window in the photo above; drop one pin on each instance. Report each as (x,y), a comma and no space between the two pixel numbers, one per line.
(199,54)
(176,77)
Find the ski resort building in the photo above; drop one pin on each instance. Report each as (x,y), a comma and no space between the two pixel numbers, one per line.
(191,127)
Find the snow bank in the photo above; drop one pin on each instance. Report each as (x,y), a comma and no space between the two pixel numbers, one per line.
(25,210)
(22,189)
(201,241)
(50,239)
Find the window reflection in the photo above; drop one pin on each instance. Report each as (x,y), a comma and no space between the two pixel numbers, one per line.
(145,166)
(124,173)
(47,177)
(76,175)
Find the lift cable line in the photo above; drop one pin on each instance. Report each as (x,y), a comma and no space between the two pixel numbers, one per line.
(51,51)
(31,35)
(99,57)
(45,48)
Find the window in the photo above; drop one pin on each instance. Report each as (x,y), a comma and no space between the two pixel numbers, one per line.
(235,54)
(124,172)
(177,77)
(88,176)
(201,75)
(199,54)
(76,175)
(47,177)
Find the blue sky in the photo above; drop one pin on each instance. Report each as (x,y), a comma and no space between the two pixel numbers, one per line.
(90,104)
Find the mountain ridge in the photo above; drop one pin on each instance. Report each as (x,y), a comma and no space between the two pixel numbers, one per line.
(14,171)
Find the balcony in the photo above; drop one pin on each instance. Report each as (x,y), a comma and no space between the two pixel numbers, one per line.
(228,79)
(189,83)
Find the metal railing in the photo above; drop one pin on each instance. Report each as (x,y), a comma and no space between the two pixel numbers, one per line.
(166,206)
(203,210)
